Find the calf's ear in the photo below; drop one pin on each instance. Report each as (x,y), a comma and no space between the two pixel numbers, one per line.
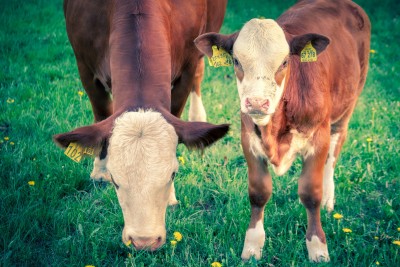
(205,42)
(318,41)
(197,135)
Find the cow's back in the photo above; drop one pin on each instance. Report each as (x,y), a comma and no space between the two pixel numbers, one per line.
(345,60)
(88,26)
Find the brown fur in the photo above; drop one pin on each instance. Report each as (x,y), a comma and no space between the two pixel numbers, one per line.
(138,49)
(318,99)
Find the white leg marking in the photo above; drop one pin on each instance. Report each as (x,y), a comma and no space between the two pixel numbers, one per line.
(172,197)
(328,197)
(317,251)
(100,172)
(196,109)
(254,242)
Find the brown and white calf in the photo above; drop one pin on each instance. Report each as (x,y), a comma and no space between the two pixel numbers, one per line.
(290,107)
(142,53)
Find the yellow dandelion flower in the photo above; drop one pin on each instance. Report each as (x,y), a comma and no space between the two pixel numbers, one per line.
(12,143)
(10,100)
(6,138)
(337,216)
(377,263)
(31,183)
(128,243)
(90,266)
(398,229)
(369,139)
(216,264)
(347,230)
(80,93)
(396,242)
(372,51)
(376,237)
(173,243)
(178,236)
(181,160)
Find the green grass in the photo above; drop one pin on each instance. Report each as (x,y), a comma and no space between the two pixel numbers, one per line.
(65,219)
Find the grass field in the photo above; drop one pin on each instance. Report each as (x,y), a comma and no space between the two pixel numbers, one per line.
(65,219)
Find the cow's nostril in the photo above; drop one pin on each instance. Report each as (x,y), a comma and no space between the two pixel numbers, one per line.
(265,104)
(247,103)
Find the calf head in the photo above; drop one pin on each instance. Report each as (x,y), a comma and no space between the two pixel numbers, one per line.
(141,158)
(262,54)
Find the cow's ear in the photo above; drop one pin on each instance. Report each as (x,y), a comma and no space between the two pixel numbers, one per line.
(196,135)
(318,41)
(87,136)
(205,42)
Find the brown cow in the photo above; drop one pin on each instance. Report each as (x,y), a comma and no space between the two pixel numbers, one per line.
(142,53)
(293,105)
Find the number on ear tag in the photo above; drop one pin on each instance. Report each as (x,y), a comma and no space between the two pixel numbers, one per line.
(220,57)
(308,54)
(74,151)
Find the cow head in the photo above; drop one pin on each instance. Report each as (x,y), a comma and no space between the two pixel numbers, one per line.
(262,56)
(141,160)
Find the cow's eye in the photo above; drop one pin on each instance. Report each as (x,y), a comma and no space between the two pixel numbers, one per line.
(236,62)
(284,63)
(173,176)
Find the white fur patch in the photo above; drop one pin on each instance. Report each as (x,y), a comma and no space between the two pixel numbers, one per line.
(317,251)
(100,172)
(328,197)
(260,48)
(256,146)
(299,145)
(172,196)
(254,242)
(141,159)
(196,109)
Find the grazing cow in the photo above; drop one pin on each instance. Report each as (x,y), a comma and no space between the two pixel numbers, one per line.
(298,80)
(141,52)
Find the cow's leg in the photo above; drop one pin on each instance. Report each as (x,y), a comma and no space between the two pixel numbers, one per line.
(172,197)
(196,109)
(101,103)
(260,190)
(310,192)
(181,89)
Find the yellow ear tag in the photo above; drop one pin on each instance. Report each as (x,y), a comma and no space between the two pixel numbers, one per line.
(220,58)
(308,54)
(75,151)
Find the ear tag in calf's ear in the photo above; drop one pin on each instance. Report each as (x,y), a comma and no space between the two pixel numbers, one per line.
(308,54)
(75,151)
(220,58)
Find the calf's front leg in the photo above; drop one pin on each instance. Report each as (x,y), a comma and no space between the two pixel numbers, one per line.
(260,190)
(310,192)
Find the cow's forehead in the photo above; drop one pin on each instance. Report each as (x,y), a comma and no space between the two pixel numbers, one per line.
(261,39)
(142,144)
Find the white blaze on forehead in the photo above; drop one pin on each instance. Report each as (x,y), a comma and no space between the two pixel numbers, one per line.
(260,47)
(141,159)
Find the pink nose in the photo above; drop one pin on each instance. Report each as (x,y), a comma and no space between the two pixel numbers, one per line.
(147,243)
(257,105)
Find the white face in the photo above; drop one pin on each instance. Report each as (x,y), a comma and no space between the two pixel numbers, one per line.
(142,162)
(259,53)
